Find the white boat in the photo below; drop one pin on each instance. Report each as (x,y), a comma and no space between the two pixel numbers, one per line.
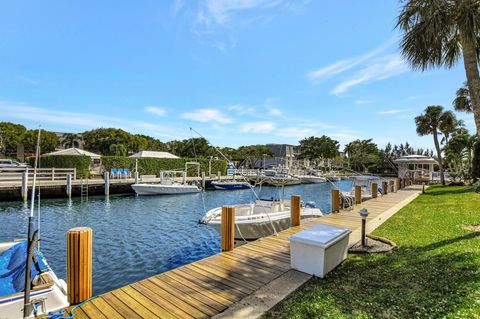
(167,185)
(311,179)
(48,293)
(259,219)
(28,286)
(365,182)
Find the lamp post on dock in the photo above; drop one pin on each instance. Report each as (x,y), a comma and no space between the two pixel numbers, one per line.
(364,213)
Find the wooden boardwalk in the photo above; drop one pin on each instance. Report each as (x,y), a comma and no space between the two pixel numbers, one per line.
(209,286)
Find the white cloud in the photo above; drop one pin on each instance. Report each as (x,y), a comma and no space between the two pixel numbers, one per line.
(394,111)
(159,111)
(207,115)
(295,132)
(257,127)
(361,101)
(272,110)
(241,109)
(381,69)
(75,120)
(344,65)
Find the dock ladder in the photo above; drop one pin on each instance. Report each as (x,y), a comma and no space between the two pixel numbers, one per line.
(84,189)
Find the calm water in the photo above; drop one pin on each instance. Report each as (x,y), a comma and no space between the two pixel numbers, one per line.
(137,237)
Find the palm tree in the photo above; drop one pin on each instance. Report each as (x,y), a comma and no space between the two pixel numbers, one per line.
(462,102)
(437,33)
(429,123)
(449,124)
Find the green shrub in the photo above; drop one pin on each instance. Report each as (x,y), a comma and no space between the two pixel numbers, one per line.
(80,162)
(153,166)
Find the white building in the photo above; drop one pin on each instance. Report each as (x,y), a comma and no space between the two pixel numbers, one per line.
(153,154)
(419,168)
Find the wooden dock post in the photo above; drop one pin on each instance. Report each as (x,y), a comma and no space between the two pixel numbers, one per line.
(399,183)
(203,180)
(228,228)
(107,183)
(335,200)
(25,185)
(374,190)
(79,264)
(392,186)
(358,195)
(295,210)
(69,185)
(384,188)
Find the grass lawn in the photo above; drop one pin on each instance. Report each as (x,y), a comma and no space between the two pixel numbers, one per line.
(435,273)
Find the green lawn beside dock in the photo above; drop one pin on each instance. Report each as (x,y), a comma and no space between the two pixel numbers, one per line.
(435,273)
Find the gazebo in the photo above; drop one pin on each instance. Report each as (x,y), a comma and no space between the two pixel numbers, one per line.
(418,168)
(96,158)
(153,154)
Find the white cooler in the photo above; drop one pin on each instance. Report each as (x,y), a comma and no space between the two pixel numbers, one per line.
(318,250)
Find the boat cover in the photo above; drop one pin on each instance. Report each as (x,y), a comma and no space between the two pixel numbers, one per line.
(12,268)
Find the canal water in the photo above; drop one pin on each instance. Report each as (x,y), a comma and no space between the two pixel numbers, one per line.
(137,237)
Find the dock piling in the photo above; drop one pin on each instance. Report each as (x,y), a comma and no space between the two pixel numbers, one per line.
(69,185)
(107,183)
(228,228)
(358,195)
(335,200)
(374,190)
(384,188)
(392,186)
(295,203)
(79,264)
(25,185)
(399,183)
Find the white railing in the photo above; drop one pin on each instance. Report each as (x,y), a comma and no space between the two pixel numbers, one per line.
(45,174)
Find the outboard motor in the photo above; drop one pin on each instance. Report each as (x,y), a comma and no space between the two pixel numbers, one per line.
(310,205)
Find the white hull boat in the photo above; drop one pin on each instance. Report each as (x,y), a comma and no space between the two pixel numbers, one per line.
(312,179)
(230,185)
(48,293)
(258,219)
(165,189)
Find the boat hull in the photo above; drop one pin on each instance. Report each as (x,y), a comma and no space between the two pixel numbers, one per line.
(156,189)
(230,186)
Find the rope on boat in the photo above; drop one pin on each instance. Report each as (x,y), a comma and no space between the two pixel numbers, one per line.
(60,314)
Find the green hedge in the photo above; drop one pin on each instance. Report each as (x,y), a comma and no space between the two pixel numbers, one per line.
(153,166)
(80,162)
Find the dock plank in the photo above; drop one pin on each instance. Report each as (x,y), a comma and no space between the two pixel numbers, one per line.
(209,286)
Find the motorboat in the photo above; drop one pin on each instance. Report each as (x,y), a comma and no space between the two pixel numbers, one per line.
(365,182)
(311,179)
(167,186)
(230,185)
(332,177)
(278,178)
(29,288)
(260,218)
(48,293)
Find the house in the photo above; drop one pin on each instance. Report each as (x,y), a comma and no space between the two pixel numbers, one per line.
(153,154)
(419,168)
(96,158)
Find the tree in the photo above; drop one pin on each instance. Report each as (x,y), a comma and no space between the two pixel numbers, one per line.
(462,102)
(448,124)
(363,155)
(428,123)
(192,147)
(49,141)
(250,153)
(71,140)
(436,33)
(118,150)
(316,148)
(11,135)
(458,152)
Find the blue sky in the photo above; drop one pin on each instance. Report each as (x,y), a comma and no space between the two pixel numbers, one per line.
(238,71)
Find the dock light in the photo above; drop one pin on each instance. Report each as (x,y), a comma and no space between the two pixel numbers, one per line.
(364,213)
(423,188)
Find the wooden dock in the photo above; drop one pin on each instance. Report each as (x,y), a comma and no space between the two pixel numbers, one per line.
(209,286)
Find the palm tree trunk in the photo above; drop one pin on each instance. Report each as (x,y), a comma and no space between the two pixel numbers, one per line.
(439,155)
(473,80)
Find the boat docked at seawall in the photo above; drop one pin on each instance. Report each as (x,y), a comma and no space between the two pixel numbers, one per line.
(230,185)
(365,182)
(311,179)
(48,293)
(167,185)
(260,218)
